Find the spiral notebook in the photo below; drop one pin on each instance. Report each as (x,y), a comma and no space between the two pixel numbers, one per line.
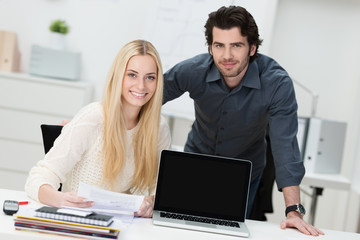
(86,217)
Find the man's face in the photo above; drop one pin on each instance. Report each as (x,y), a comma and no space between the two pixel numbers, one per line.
(231,53)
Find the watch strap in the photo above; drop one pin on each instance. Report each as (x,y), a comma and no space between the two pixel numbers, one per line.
(297,207)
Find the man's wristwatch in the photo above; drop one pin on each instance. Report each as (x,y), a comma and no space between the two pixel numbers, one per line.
(297,207)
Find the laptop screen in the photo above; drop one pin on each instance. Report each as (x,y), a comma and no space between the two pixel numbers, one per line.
(202,185)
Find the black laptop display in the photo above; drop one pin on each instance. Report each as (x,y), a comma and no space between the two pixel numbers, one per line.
(205,188)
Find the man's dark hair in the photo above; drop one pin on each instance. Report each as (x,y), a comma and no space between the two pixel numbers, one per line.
(233,16)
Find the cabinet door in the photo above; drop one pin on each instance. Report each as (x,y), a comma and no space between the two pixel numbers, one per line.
(44,96)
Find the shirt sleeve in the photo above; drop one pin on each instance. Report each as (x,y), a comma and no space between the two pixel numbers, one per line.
(68,149)
(283,125)
(186,76)
(173,81)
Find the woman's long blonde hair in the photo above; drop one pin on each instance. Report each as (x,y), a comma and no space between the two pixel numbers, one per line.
(146,137)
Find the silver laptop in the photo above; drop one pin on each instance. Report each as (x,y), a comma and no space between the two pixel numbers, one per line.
(202,192)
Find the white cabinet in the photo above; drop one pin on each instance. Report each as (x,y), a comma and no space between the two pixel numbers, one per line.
(26,102)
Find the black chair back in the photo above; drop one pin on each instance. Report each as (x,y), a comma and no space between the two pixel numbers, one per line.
(49,134)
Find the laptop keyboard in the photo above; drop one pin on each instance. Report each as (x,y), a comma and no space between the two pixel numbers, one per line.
(199,219)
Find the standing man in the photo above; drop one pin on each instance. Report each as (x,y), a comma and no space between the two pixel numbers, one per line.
(237,94)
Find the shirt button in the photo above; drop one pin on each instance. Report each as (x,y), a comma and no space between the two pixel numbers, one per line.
(221,128)
(219,142)
(224,113)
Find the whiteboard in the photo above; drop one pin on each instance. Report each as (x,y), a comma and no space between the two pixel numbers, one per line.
(176,28)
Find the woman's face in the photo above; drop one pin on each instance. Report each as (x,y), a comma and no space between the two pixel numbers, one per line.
(139,82)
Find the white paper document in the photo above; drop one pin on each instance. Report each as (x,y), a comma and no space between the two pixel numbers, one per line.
(108,200)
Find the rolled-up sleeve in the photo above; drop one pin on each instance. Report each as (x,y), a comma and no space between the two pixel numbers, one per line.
(283,125)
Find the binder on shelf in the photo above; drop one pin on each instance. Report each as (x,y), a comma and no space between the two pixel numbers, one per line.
(89,218)
(322,144)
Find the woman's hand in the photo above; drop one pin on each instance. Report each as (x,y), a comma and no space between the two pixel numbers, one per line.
(71,199)
(52,197)
(146,208)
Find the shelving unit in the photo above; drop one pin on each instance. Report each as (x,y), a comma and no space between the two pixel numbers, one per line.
(26,102)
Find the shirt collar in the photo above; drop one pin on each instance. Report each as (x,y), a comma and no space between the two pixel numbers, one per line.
(250,80)
(214,73)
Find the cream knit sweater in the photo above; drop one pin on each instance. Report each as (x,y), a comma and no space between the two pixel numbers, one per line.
(76,156)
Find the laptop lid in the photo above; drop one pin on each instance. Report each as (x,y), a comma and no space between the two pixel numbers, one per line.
(201,185)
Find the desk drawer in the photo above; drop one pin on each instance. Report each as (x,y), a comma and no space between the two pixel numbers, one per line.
(19,156)
(24,126)
(12,180)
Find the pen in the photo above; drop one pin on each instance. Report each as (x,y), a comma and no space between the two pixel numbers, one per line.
(23,203)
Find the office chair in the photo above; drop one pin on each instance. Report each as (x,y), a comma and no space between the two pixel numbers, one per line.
(49,134)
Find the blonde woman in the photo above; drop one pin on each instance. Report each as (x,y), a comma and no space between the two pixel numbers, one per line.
(113,144)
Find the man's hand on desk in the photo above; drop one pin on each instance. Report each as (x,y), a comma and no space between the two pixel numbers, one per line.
(294,220)
(146,208)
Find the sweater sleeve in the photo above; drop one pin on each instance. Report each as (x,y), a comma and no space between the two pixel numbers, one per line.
(164,143)
(164,135)
(68,149)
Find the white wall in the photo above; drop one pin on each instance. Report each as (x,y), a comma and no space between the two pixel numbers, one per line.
(98,29)
(317,41)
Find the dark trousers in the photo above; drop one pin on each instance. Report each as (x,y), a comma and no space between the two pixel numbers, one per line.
(263,198)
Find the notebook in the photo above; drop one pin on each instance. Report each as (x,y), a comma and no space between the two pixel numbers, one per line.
(68,215)
(202,192)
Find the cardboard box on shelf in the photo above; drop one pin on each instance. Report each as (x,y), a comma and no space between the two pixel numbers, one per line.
(9,52)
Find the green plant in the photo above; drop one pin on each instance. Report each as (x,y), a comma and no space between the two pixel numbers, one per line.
(59,26)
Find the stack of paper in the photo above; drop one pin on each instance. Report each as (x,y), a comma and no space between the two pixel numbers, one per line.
(27,219)
(92,222)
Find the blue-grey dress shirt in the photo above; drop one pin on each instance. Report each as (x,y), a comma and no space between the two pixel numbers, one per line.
(234,123)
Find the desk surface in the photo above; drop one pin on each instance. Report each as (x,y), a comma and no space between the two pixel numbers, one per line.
(321,180)
(144,229)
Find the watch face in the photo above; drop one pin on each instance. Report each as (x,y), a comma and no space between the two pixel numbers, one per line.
(297,207)
(301,209)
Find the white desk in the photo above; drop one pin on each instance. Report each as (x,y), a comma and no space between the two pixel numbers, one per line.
(319,181)
(143,229)
(335,181)
(258,230)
